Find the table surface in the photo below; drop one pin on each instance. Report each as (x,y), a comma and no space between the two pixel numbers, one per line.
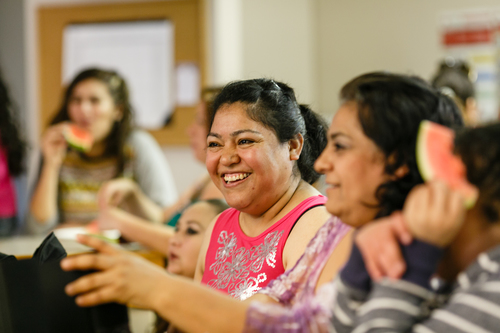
(21,246)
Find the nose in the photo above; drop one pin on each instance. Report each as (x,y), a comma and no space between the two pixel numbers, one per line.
(322,164)
(229,156)
(175,240)
(86,110)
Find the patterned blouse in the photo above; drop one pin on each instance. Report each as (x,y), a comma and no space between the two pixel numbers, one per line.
(300,308)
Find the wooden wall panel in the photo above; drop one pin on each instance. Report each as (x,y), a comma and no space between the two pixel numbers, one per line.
(186,15)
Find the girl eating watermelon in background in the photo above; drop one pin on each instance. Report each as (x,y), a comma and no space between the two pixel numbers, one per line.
(12,153)
(96,101)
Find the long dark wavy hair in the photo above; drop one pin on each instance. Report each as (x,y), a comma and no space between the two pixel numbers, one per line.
(479,148)
(10,138)
(115,142)
(390,109)
(273,104)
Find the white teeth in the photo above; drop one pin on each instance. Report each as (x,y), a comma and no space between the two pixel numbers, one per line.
(235,177)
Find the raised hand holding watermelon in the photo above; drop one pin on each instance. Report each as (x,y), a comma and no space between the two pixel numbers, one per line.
(434,213)
(54,145)
(437,161)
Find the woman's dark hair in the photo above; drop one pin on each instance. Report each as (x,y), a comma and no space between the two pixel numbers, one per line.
(273,104)
(454,75)
(208,96)
(390,109)
(10,139)
(115,142)
(479,149)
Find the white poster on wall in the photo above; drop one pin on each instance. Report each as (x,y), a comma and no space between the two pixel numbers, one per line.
(472,35)
(140,51)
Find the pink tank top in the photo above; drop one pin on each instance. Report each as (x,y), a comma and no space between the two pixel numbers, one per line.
(240,265)
(7,192)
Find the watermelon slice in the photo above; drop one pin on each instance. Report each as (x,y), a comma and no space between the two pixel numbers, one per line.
(110,235)
(435,160)
(78,138)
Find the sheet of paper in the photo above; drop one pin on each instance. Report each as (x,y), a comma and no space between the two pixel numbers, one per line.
(188,84)
(142,52)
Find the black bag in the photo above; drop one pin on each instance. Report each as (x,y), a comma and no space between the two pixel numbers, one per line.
(32,297)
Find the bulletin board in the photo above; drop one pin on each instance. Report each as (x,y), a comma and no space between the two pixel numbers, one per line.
(187,17)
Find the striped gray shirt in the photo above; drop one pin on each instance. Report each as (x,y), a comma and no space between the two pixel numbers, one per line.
(472,304)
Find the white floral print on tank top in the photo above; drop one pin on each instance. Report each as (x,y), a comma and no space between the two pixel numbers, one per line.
(234,274)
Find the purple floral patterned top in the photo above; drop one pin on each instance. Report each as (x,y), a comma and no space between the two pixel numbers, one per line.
(300,308)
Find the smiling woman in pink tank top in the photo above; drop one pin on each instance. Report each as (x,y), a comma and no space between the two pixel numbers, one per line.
(261,150)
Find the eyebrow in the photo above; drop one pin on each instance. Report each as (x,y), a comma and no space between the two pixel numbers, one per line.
(195,223)
(333,136)
(235,133)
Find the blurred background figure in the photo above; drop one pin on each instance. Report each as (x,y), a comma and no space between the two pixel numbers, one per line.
(203,188)
(69,180)
(453,78)
(114,192)
(12,155)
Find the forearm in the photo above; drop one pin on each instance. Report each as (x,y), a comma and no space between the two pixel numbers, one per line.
(196,308)
(43,204)
(138,230)
(145,207)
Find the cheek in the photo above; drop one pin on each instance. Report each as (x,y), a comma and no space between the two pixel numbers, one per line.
(73,113)
(211,162)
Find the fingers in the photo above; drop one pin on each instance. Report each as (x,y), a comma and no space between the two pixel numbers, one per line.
(85,262)
(391,260)
(93,289)
(104,195)
(88,283)
(372,267)
(98,296)
(434,213)
(113,192)
(378,243)
(400,229)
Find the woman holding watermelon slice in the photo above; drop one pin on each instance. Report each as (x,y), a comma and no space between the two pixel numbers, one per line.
(96,102)
(370,167)
(439,237)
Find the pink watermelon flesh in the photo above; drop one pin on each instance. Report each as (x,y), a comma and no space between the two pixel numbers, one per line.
(78,138)
(436,160)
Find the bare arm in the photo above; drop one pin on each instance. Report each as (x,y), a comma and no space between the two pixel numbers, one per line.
(129,279)
(337,260)
(126,192)
(136,229)
(303,231)
(43,204)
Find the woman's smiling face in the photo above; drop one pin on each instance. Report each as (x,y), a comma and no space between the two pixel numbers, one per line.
(246,161)
(354,168)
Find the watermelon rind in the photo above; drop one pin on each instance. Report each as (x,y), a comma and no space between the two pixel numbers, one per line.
(423,163)
(426,170)
(77,144)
